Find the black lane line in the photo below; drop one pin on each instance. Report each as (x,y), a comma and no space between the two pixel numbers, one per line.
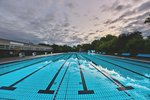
(61,82)
(11,87)
(122,67)
(14,63)
(128,62)
(21,67)
(67,86)
(85,89)
(48,89)
(121,87)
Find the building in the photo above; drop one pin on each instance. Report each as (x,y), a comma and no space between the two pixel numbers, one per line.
(10,47)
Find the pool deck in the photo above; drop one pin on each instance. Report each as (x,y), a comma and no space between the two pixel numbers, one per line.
(131,58)
(13,59)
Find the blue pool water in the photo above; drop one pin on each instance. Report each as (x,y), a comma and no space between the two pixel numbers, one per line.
(75,76)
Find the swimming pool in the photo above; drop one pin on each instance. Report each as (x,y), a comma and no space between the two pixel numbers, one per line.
(75,76)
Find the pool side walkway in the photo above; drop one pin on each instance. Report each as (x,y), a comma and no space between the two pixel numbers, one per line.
(132,58)
(12,59)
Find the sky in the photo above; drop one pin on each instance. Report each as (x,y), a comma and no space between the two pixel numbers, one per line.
(71,22)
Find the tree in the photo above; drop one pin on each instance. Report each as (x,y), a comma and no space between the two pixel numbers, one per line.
(135,34)
(121,43)
(147,46)
(95,45)
(105,44)
(147,20)
(135,46)
(86,47)
(148,37)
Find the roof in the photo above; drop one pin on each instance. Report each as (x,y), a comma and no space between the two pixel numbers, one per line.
(13,42)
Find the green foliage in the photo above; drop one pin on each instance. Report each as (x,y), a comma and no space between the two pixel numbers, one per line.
(134,46)
(61,48)
(146,46)
(128,42)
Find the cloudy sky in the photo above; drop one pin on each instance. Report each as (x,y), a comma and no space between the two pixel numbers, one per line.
(70,22)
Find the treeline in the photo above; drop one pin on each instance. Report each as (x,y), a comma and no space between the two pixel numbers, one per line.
(128,42)
(60,48)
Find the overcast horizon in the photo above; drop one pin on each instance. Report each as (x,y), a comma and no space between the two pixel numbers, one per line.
(71,22)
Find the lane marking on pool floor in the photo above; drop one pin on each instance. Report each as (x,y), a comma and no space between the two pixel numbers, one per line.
(61,82)
(85,89)
(48,89)
(121,87)
(11,87)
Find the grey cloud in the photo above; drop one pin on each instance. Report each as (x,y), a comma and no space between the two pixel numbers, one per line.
(66,30)
(120,18)
(112,27)
(126,14)
(144,6)
(66,25)
(76,38)
(136,0)
(91,33)
(116,6)
(23,37)
(97,37)
(70,5)
(88,35)
(96,24)
(74,27)
(121,7)
(99,31)
(95,18)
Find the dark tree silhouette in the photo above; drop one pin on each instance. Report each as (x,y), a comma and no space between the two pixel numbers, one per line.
(147,20)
